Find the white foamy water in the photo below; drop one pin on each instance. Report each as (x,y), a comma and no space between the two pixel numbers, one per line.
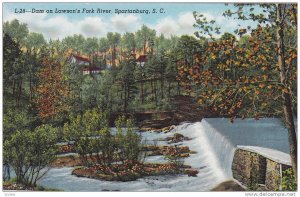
(213,139)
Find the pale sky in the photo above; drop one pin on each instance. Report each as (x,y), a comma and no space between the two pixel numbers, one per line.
(176,19)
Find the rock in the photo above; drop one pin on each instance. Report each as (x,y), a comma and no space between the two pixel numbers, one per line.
(165,129)
(202,167)
(191,172)
(172,127)
(184,155)
(228,186)
(178,137)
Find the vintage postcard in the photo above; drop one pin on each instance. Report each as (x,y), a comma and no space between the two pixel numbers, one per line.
(149,97)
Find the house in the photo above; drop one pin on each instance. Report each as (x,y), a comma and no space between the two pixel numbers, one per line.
(141,60)
(91,70)
(85,61)
(76,58)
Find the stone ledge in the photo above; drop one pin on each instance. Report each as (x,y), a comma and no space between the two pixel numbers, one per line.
(274,155)
(258,168)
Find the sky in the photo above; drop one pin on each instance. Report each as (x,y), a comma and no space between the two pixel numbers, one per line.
(174,18)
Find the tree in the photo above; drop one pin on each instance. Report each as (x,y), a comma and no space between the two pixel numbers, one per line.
(152,71)
(52,89)
(128,143)
(90,47)
(75,42)
(34,41)
(30,152)
(12,66)
(188,50)
(106,100)
(284,68)
(16,30)
(90,92)
(80,129)
(281,17)
(114,40)
(14,120)
(103,44)
(171,68)
(241,85)
(128,44)
(103,48)
(145,36)
(127,80)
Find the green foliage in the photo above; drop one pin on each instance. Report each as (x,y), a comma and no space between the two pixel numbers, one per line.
(30,152)
(289,182)
(93,138)
(15,120)
(75,42)
(164,104)
(129,143)
(11,58)
(90,92)
(16,30)
(80,129)
(123,87)
(34,41)
(127,79)
(143,36)
(128,42)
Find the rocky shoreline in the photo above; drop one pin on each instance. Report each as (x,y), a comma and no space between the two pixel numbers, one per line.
(135,172)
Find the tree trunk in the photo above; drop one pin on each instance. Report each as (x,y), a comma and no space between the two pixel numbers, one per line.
(30,87)
(169,89)
(162,86)
(144,47)
(14,87)
(19,93)
(125,98)
(178,88)
(155,94)
(114,56)
(287,105)
(142,91)
(128,96)
(152,89)
(162,89)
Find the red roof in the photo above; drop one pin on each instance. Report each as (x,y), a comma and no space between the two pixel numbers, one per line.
(81,58)
(141,58)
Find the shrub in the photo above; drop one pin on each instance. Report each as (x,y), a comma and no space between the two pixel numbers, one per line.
(100,144)
(128,145)
(289,182)
(81,128)
(30,152)
(106,144)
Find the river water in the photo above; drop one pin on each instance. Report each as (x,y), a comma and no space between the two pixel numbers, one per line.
(213,139)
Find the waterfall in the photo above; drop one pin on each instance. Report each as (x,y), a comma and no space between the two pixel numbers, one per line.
(221,147)
(214,151)
(215,140)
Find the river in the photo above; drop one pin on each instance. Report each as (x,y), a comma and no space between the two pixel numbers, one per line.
(213,139)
